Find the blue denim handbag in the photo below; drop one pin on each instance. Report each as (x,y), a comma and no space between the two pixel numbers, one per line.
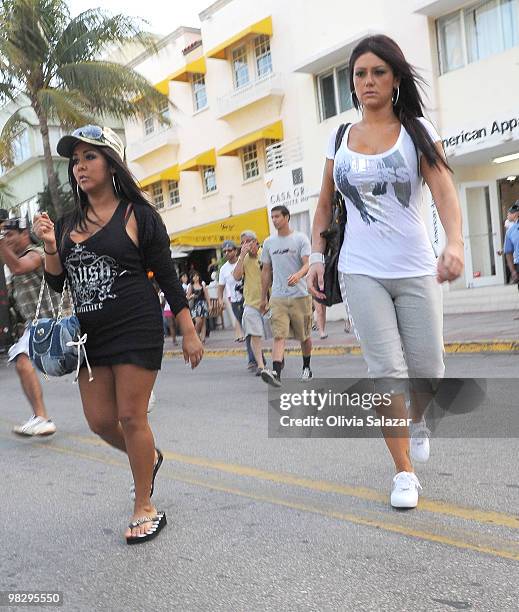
(56,346)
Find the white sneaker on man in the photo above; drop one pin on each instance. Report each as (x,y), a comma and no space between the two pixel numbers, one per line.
(35,426)
(404,491)
(419,441)
(306,374)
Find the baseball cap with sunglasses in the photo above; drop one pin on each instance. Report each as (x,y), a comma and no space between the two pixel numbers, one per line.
(94,135)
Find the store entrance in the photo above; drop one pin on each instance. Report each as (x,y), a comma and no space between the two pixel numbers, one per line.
(482,234)
(200,261)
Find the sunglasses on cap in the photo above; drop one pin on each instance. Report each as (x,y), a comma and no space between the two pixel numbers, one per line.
(91,134)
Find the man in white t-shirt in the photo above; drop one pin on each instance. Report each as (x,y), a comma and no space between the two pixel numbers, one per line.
(227,283)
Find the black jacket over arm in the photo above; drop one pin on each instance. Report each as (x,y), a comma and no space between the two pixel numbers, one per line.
(155,253)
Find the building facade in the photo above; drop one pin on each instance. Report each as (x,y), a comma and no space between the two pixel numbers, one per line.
(28,175)
(257,91)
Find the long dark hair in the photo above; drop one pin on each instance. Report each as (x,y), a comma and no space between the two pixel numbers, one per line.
(409,105)
(126,189)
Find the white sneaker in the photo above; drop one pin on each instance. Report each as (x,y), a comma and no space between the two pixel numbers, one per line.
(306,374)
(419,441)
(35,426)
(404,492)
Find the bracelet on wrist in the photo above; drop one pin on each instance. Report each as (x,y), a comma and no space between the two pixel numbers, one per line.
(316,258)
(50,252)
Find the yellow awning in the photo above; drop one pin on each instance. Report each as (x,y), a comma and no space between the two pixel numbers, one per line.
(273,132)
(195,67)
(261,27)
(203,159)
(163,86)
(213,234)
(170,174)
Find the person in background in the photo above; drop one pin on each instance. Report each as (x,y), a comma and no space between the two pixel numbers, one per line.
(197,291)
(285,264)
(227,284)
(25,263)
(248,268)
(511,247)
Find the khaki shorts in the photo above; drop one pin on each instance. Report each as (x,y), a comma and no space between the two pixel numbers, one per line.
(292,317)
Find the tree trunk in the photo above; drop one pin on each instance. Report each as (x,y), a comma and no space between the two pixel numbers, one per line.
(52,175)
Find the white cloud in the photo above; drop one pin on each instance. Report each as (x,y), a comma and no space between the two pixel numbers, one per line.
(163,17)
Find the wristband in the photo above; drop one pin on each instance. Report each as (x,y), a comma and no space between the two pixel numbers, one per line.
(50,252)
(316,258)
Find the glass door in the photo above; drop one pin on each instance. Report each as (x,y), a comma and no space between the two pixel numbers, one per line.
(482,234)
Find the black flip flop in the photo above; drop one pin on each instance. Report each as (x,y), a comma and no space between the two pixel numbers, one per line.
(156,467)
(157,523)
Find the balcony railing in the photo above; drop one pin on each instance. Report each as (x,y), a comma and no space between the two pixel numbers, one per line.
(270,85)
(283,153)
(153,142)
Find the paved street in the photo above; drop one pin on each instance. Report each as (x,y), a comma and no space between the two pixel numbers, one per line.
(257,523)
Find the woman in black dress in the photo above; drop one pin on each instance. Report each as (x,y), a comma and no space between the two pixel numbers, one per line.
(104,249)
(197,291)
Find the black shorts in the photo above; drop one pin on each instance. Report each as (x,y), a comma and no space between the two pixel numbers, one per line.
(149,359)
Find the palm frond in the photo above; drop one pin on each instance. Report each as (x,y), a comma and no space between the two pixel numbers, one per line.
(92,31)
(111,88)
(11,129)
(70,108)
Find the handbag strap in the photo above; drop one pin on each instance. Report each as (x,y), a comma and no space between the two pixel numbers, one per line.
(340,135)
(61,302)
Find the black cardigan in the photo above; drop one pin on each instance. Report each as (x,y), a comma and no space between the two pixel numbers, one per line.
(155,254)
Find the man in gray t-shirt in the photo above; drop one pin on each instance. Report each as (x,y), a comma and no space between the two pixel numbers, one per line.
(285,265)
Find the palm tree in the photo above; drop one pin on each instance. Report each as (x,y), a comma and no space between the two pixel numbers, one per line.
(54,62)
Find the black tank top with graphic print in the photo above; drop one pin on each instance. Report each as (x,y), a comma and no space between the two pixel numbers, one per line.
(115,302)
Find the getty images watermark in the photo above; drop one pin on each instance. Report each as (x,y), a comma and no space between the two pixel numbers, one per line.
(349,408)
(318,400)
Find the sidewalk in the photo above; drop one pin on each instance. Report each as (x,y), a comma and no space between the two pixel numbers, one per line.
(463,333)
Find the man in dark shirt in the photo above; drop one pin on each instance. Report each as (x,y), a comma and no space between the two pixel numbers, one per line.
(25,262)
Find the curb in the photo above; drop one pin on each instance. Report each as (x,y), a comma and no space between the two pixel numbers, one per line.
(491,346)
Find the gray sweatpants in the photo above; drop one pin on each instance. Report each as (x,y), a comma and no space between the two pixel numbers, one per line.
(398,322)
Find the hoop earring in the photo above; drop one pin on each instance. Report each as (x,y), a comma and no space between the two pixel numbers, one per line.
(115,185)
(78,190)
(397,96)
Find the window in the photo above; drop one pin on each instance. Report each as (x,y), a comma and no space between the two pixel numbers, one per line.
(450,42)
(334,92)
(21,147)
(273,154)
(199,92)
(174,194)
(301,223)
(149,126)
(249,160)
(491,27)
(478,31)
(164,111)
(240,67)
(209,179)
(263,57)
(157,195)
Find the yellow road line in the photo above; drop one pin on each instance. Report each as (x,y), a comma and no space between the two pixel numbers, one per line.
(346,517)
(491,346)
(429,505)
